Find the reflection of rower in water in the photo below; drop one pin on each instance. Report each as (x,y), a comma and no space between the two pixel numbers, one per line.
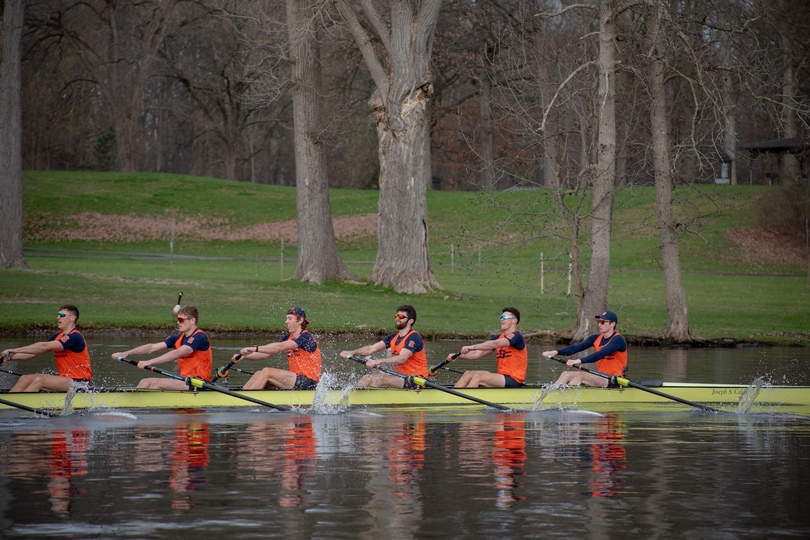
(300,459)
(509,458)
(190,459)
(406,456)
(68,459)
(609,457)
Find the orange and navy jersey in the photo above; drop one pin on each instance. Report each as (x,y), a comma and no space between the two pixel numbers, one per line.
(513,360)
(417,363)
(610,353)
(306,359)
(201,361)
(615,361)
(73,361)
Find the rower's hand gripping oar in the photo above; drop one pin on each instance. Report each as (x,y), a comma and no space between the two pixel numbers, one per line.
(419,381)
(194,382)
(621,381)
(440,365)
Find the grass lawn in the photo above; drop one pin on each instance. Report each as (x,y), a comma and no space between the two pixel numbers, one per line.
(487,250)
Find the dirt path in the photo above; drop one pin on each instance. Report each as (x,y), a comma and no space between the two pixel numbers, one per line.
(95,227)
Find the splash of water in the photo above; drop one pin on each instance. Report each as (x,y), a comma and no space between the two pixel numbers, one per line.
(321,403)
(749,396)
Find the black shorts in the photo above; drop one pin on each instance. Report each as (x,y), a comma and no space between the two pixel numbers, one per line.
(304,383)
(509,382)
(83,385)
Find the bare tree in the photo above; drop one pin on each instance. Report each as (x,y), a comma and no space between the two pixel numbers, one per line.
(11,202)
(399,63)
(318,258)
(595,298)
(118,43)
(677,314)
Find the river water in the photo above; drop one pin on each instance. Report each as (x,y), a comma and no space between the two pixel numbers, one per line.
(471,473)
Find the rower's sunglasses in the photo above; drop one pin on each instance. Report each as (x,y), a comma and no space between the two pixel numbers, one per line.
(400,316)
(61,315)
(182,319)
(506,317)
(602,321)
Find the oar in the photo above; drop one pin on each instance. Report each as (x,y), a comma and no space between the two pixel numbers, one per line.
(621,381)
(199,383)
(451,370)
(423,382)
(27,408)
(222,372)
(440,365)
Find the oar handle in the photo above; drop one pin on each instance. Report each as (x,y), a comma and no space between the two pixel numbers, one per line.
(127,360)
(222,372)
(440,365)
(359,359)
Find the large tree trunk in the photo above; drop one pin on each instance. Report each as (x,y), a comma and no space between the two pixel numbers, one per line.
(594,300)
(790,165)
(729,108)
(318,258)
(488,180)
(677,313)
(11,200)
(403,87)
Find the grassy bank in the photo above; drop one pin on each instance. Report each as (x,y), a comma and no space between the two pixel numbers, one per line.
(486,251)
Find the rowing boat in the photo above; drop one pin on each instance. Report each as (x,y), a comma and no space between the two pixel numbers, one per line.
(722,396)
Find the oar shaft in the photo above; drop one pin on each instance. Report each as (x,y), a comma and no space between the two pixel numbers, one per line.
(193,382)
(27,408)
(423,382)
(621,381)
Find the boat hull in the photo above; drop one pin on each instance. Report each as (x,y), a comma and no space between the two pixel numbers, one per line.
(726,397)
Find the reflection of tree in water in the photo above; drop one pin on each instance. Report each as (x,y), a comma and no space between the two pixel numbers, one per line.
(509,458)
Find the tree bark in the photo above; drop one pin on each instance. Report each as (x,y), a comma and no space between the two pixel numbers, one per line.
(729,108)
(488,180)
(403,88)
(677,312)
(11,187)
(318,258)
(594,300)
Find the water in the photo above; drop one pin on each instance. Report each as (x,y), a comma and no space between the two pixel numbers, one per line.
(473,473)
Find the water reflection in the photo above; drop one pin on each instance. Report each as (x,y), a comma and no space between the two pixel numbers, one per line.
(59,457)
(609,457)
(402,474)
(508,458)
(189,462)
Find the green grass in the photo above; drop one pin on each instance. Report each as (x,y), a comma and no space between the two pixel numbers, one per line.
(496,240)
